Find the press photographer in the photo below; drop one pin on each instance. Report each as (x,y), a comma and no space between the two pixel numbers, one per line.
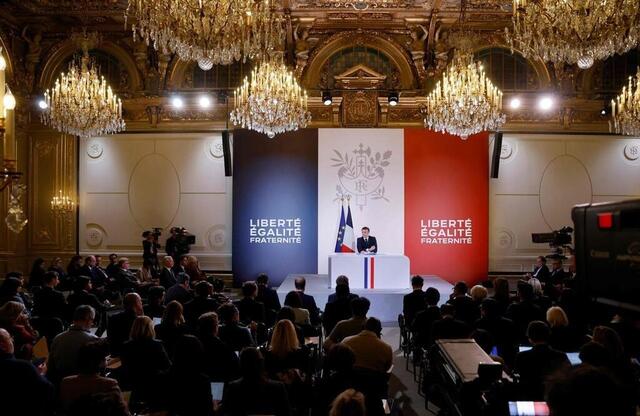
(150,247)
(179,243)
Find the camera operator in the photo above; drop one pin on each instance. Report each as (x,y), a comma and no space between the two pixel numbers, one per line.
(179,243)
(150,247)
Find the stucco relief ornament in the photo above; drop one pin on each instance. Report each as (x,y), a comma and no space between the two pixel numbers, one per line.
(361,174)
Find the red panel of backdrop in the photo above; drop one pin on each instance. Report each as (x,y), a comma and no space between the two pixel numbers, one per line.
(446,182)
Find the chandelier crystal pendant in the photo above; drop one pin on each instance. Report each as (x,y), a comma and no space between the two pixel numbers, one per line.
(271,102)
(209,32)
(465,101)
(81,103)
(574,31)
(625,108)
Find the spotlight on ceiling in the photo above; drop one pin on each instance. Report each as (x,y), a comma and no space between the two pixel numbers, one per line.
(204,102)
(177,102)
(42,104)
(394,97)
(515,103)
(326,97)
(545,103)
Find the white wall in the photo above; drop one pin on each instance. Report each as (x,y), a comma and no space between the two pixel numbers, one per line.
(542,177)
(132,182)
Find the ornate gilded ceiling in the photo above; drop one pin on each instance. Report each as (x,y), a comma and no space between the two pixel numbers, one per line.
(405,44)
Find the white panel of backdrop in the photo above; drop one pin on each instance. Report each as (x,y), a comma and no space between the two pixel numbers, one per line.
(366,165)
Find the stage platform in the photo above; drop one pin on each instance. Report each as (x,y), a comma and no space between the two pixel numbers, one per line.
(386,304)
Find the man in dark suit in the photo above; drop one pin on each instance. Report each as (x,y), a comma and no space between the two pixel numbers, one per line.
(267,295)
(112,267)
(466,309)
(541,361)
(88,269)
(119,325)
(338,309)
(423,321)
(221,362)
(449,327)
(308,302)
(250,309)
(525,310)
(540,270)
(48,302)
(201,303)
(557,274)
(367,243)
(231,333)
(167,276)
(180,291)
(341,280)
(413,302)
(125,280)
(503,331)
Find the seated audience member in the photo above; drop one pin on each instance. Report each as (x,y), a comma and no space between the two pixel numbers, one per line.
(501,294)
(348,403)
(371,352)
(478,294)
(352,326)
(143,360)
(268,297)
(36,276)
(587,390)
(112,268)
(74,267)
(63,355)
(465,308)
(56,266)
(287,313)
(167,276)
(192,268)
(337,309)
(285,360)
(620,361)
(341,280)
(200,304)
(24,390)
(218,295)
(250,309)
(594,354)
(10,291)
(119,325)
(338,377)
(448,327)
(539,298)
(48,302)
(172,327)
(562,336)
(155,302)
(231,332)
(145,276)
(536,365)
(180,291)
(221,362)
(88,392)
(293,301)
(180,264)
(524,310)
(82,296)
(185,387)
(125,280)
(267,397)
(502,330)
(308,302)
(100,278)
(557,275)
(540,270)
(88,269)
(14,318)
(422,323)
(413,302)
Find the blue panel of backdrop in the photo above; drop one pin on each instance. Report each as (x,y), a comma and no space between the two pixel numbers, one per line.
(275,204)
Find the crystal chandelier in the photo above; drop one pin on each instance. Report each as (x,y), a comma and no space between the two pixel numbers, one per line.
(81,103)
(464,102)
(62,205)
(625,108)
(271,102)
(574,31)
(207,31)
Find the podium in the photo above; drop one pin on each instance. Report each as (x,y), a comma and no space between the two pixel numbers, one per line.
(371,271)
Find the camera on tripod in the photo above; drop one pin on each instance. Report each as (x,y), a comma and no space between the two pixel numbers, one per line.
(558,240)
(155,232)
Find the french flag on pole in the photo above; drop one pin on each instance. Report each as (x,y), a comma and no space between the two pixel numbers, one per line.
(346,241)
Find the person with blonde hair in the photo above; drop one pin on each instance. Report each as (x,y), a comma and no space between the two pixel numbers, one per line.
(284,355)
(15,319)
(192,268)
(478,294)
(143,359)
(562,337)
(348,403)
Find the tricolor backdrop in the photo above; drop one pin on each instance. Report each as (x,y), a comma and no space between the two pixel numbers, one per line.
(422,194)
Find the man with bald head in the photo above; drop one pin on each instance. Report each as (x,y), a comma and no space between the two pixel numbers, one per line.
(119,325)
(22,382)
